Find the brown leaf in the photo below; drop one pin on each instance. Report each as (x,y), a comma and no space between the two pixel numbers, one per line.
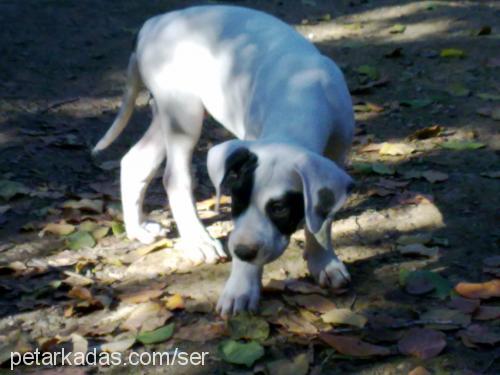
(484,290)
(119,343)
(394,149)
(410,197)
(465,305)
(140,296)
(146,317)
(303,287)
(457,318)
(371,147)
(478,334)
(418,249)
(60,229)
(294,324)
(422,343)
(297,366)
(165,242)
(419,284)
(434,176)
(271,307)
(353,346)
(95,206)
(210,204)
(275,286)
(175,302)
(487,313)
(344,317)
(419,371)
(81,293)
(425,133)
(312,302)
(202,331)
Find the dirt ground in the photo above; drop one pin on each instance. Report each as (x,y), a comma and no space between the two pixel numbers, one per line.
(425,200)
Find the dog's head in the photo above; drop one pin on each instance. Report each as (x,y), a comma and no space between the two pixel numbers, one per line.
(273,188)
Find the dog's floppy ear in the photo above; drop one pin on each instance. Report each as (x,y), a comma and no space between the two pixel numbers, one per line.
(218,165)
(324,187)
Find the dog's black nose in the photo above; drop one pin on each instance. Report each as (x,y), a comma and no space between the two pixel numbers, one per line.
(246,252)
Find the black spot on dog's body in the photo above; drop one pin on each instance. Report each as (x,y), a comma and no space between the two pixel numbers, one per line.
(287,212)
(326,201)
(239,177)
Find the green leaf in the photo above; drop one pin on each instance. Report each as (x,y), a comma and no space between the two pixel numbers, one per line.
(100,232)
(247,326)
(240,353)
(117,228)
(397,29)
(78,240)
(158,335)
(457,89)
(452,53)
(462,145)
(381,168)
(9,189)
(368,168)
(369,71)
(488,96)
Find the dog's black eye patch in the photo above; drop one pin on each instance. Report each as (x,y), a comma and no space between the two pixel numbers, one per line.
(239,177)
(286,212)
(326,201)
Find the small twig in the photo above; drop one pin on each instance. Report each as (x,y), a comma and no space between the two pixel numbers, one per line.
(59,103)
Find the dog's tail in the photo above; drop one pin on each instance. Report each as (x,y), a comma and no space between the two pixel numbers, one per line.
(127,106)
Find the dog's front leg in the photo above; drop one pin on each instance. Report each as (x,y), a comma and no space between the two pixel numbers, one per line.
(323,264)
(242,289)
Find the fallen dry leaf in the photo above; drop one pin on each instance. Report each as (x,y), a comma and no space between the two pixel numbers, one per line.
(434,176)
(296,366)
(271,307)
(487,313)
(119,343)
(465,305)
(294,324)
(140,296)
(422,343)
(425,133)
(146,317)
(95,206)
(202,331)
(60,229)
(353,346)
(344,317)
(419,371)
(211,203)
(81,293)
(478,334)
(312,302)
(484,290)
(299,286)
(394,149)
(418,249)
(175,302)
(457,319)
(165,242)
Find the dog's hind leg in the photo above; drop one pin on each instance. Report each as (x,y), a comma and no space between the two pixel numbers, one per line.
(138,167)
(181,117)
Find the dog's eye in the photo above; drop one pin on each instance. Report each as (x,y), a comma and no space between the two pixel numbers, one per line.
(278,209)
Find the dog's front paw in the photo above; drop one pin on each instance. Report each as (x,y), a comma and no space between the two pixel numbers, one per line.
(239,295)
(329,272)
(146,233)
(202,249)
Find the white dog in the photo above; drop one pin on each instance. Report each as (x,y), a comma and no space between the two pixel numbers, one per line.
(287,104)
